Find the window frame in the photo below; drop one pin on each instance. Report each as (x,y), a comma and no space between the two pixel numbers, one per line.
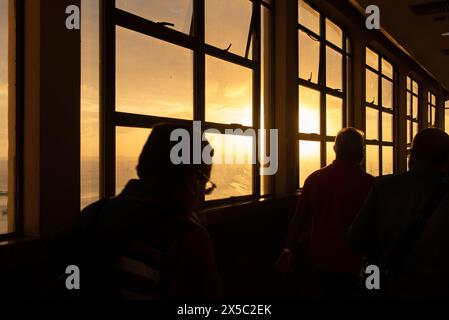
(380,108)
(446,115)
(112,17)
(432,109)
(409,118)
(321,86)
(16,194)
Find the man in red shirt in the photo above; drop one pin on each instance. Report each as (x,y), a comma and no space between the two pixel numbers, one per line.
(329,201)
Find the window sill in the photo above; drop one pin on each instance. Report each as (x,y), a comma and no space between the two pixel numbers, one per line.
(237,210)
(15,240)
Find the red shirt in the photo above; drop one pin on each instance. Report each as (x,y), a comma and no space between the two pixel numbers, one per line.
(332,197)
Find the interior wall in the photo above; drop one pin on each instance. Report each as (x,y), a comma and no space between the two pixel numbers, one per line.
(52,118)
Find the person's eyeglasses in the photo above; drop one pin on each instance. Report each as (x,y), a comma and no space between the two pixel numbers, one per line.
(209,185)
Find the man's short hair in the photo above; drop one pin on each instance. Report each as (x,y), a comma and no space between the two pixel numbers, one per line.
(431,145)
(350,144)
(155,161)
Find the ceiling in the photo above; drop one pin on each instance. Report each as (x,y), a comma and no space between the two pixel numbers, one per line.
(420,35)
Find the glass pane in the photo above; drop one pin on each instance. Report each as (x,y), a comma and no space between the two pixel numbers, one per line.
(387,69)
(415,87)
(228,23)
(334,34)
(309,58)
(387,160)
(415,129)
(372,160)
(232,165)
(372,59)
(409,128)
(415,107)
(90,98)
(308,17)
(372,121)
(409,104)
(178,12)
(129,144)
(409,86)
(434,100)
(434,116)
(4,88)
(334,115)
(153,77)
(309,159)
(387,93)
(334,69)
(387,127)
(330,153)
(446,116)
(372,87)
(309,110)
(228,92)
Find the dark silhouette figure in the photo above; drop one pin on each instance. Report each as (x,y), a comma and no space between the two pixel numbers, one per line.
(329,201)
(147,242)
(403,225)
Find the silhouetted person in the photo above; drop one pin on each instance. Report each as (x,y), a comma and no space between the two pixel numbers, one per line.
(329,201)
(419,268)
(147,242)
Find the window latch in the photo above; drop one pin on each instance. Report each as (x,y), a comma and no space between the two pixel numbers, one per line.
(166,24)
(229,47)
(313,37)
(311,76)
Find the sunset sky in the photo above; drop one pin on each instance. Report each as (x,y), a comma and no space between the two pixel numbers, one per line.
(156,77)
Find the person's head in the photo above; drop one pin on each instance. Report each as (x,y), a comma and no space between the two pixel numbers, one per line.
(350,145)
(185,181)
(430,148)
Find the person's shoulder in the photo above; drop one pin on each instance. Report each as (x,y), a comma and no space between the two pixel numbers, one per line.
(367,177)
(392,180)
(318,175)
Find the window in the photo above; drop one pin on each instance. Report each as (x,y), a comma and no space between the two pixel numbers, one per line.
(4,106)
(10,111)
(431,110)
(412,117)
(379,114)
(322,61)
(178,61)
(90,102)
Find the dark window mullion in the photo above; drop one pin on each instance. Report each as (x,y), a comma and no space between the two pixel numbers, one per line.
(107,99)
(380,105)
(322,80)
(256,90)
(199,74)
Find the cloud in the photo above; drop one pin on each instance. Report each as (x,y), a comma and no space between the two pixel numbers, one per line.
(235,92)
